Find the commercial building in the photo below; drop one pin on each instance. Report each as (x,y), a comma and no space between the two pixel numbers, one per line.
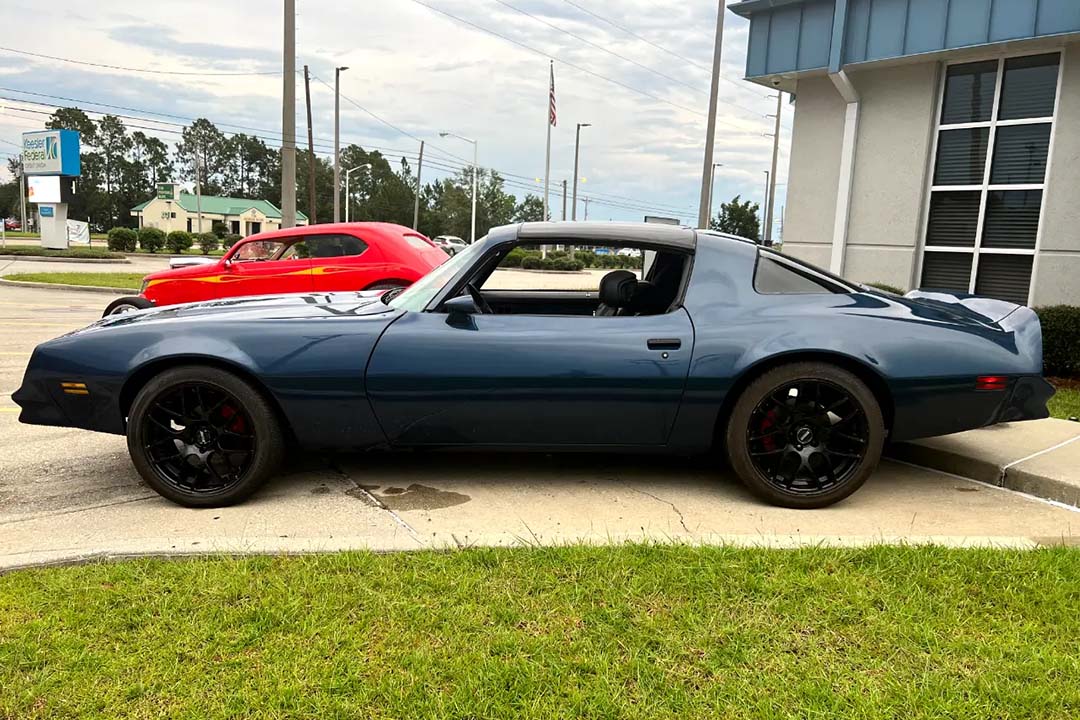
(936,143)
(174,209)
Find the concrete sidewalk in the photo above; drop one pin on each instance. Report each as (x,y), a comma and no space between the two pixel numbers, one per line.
(1041,458)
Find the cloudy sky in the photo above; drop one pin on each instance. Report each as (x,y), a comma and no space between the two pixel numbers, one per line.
(416,71)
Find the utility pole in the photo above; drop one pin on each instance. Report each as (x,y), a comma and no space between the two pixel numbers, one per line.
(577,154)
(311,151)
(337,141)
(765,203)
(710,132)
(288,119)
(586,208)
(22,197)
(198,187)
(416,200)
(564,200)
(772,176)
(712,188)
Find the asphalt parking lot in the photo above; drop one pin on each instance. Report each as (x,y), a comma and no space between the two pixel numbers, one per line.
(69,494)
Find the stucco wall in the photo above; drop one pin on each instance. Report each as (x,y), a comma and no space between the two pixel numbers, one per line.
(814,170)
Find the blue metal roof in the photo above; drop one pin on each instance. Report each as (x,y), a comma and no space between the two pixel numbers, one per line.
(790,36)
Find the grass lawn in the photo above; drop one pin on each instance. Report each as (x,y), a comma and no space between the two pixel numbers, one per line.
(1066,402)
(127,281)
(625,632)
(74,252)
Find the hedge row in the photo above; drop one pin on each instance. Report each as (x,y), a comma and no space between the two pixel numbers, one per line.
(567,260)
(153,240)
(1061,340)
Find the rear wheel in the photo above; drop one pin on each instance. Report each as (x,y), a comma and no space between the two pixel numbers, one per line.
(202,437)
(126,305)
(805,435)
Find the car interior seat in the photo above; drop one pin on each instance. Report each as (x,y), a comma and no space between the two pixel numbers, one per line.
(616,292)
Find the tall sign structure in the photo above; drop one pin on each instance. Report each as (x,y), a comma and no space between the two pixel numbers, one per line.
(50,163)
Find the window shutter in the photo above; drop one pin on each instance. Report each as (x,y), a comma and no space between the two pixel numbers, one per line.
(1020,153)
(946,271)
(1012,219)
(1029,87)
(969,92)
(1005,277)
(961,156)
(954,219)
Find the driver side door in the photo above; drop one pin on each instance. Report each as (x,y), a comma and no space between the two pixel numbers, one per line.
(254,271)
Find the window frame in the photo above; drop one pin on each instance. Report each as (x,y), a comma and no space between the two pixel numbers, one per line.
(986,187)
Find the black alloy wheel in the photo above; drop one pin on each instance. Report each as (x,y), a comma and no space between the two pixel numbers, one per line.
(203,437)
(805,435)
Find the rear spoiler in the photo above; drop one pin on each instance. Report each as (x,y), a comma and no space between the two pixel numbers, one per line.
(997,314)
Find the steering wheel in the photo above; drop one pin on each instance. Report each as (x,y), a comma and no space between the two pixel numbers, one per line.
(478,300)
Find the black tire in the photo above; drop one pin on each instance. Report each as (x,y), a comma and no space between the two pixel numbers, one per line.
(127,304)
(387,285)
(816,415)
(224,449)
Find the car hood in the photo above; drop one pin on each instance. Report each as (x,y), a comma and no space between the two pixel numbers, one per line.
(197,269)
(292,306)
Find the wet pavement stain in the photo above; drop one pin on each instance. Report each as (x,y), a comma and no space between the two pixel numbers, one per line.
(414,497)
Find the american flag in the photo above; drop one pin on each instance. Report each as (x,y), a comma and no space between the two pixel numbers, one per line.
(552,115)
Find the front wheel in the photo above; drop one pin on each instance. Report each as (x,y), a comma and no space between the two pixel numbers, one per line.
(126,305)
(805,435)
(202,437)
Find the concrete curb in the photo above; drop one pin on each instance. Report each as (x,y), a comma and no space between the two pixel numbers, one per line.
(43,258)
(1038,474)
(61,286)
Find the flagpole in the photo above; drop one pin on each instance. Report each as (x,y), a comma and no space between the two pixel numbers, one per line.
(547,161)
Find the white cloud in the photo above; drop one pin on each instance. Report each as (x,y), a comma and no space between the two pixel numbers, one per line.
(424,73)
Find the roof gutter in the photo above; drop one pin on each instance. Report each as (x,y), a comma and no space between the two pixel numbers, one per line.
(850,94)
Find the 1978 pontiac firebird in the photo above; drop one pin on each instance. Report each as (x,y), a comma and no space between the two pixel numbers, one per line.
(799,376)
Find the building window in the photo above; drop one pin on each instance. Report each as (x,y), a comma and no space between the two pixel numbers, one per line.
(993,145)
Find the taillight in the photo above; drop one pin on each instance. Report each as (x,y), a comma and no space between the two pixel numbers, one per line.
(991,382)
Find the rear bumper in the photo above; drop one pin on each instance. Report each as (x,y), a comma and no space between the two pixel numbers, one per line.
(928,408)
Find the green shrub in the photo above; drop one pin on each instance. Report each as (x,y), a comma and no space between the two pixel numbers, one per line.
(122,239)
(218,228)
(514,258)
(151,239)
(586,257)
(885,287)
(531,263)
(208,242)
(179,241)
(229,240)
(1061,340)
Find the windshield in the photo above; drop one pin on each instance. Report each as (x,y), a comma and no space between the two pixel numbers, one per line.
(420,293)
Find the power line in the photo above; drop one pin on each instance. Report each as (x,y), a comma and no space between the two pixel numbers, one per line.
(137,70)
(575,66)
(643,39)
(695,88)
(510,179)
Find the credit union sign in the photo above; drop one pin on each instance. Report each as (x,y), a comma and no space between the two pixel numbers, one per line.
(51,152)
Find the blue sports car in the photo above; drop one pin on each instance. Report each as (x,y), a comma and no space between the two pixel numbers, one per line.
(798,376)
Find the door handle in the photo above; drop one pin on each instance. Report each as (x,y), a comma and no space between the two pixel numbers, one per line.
(665,344)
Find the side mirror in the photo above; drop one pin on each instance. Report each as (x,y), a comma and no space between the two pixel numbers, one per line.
(460,305)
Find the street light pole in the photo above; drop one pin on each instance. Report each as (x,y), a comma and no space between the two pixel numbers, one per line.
(288,119)
(337,142)
(348,174)
(764,203)
(475,173)
(775,153)
(577,154)
(710,132)
(712,188)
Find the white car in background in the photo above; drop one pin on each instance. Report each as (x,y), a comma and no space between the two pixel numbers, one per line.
(449,244)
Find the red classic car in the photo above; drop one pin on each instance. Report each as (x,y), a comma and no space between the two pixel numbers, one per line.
(319,258)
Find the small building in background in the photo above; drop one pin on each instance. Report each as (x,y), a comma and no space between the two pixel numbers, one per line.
(936,143)
(174,209)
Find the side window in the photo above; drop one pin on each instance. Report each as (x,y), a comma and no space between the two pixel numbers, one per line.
(773,277)
(259,250)
(565,267)
(334,246)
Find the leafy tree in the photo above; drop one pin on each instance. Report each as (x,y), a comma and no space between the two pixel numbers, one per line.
(151,239)
(249,168)
(202,138)
(531,209)
(179,241)
(738,218)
